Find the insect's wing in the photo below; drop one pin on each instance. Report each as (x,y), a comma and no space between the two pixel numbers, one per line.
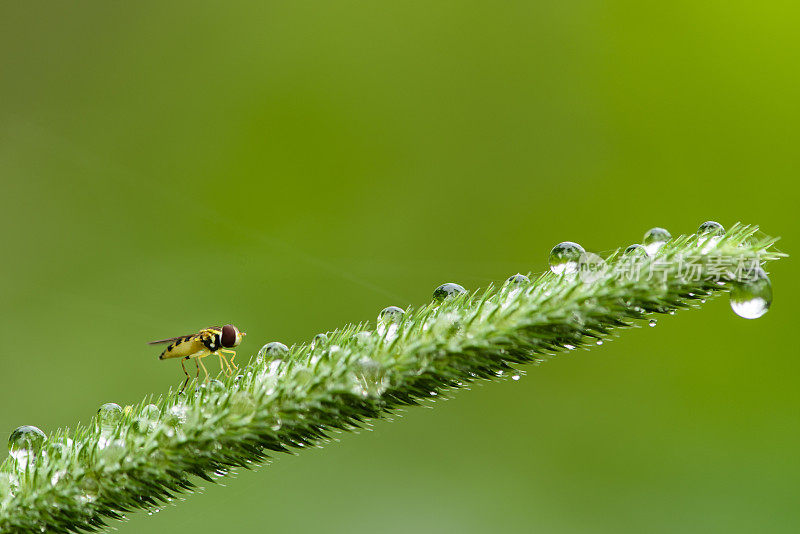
(168,340)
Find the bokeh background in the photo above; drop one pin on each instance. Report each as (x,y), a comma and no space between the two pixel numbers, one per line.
(294,166)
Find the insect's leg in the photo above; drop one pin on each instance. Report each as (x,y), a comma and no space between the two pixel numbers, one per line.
(185,382)
(198,360)
(233,355)
(229,370)
(222,366)
(196,370)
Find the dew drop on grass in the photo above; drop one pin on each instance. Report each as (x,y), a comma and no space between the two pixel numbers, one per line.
(151,412)
(24,444)
(270,351)
(711,228)
(710,233)
(109,414)
(564,257)
(636,251)
(654,239)
(388,320)
(319,341)
(447,290)
(752,297)
(518,280)
(148,419)
(515,377)
(242,404)
(178,414)
(514,285)
(212,386)
(653,322)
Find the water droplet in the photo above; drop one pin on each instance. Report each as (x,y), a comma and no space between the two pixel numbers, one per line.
(569,347)
(388,321)
(242,404)
(564,257)
(448,290)
(636,251)
(24,444)
(111,451)
(515,377)
(148,419)
(270,351)
(319,341)
(599,341)
(151,412)
(370,379)
(518,280)
(654,239)
(434,394)
(752,297)
(710,233)
(391,314)
(178,414)
(269,378)
(711,228)
(108,415)
(213,386)
(653,322)
(671,312)
(702,301)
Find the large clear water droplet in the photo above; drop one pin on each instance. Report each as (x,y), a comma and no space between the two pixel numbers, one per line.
(710,233)
(518,280)
(564,257)
(148,419)
(653,322)
(654,239)
(388,321)
(636,251)
(108,415)
(242,404)
(447,290)
(213,386)
(319,341)
(151,412)
(369,378)
(24,444)
(711,228)
(270,351)
(752,296)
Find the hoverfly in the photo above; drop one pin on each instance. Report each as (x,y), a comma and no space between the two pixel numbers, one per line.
(211,340)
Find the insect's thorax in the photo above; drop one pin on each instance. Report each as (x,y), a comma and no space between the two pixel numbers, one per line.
(211,339)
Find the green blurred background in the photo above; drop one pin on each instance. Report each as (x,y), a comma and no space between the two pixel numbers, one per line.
(294,166)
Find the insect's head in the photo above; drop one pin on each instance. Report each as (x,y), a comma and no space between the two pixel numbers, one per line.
(231,336)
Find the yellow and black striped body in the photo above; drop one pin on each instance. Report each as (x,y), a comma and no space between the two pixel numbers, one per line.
(198,345)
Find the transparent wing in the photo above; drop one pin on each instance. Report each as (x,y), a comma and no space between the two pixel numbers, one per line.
(168,340)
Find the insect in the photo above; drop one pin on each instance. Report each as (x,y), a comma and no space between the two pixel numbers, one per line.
(212,340)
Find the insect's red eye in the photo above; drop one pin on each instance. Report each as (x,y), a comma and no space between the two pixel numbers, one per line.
(229,336)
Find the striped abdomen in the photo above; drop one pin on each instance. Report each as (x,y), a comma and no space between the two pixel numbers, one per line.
(183,347)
